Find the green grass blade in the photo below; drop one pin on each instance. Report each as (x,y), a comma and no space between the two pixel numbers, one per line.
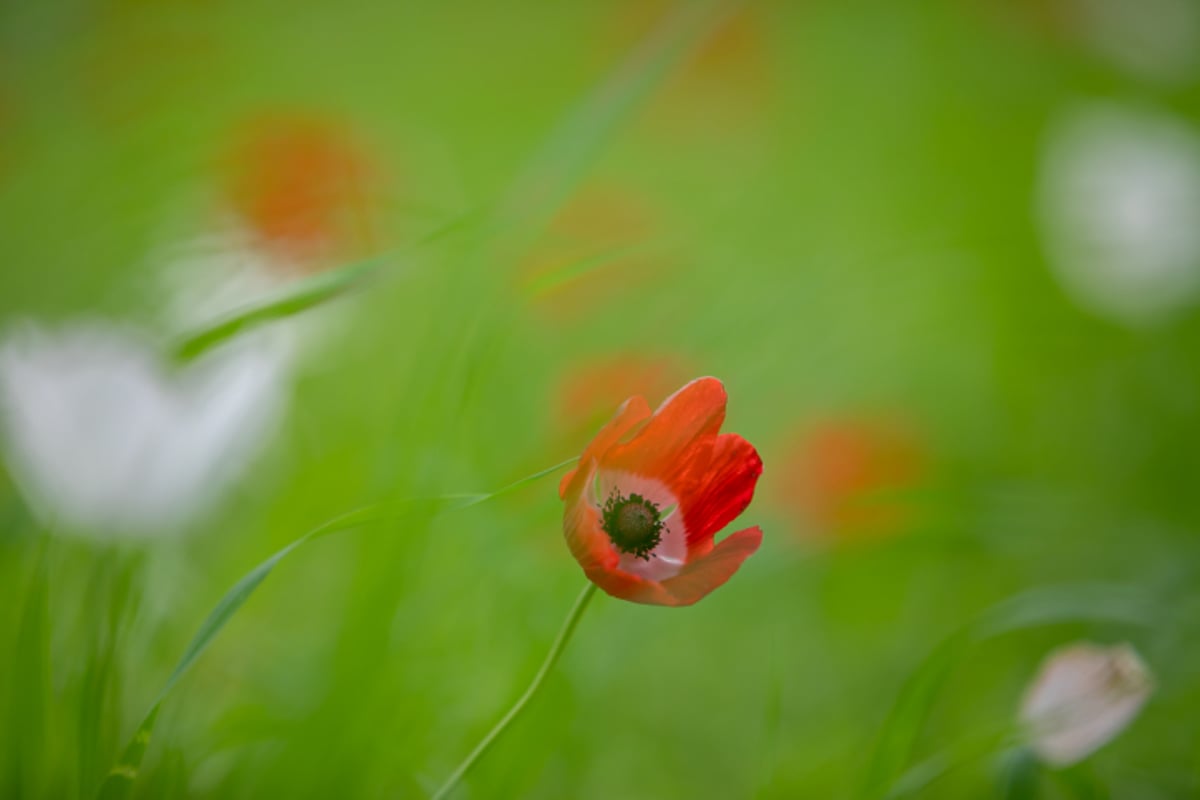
(29,685)
(925,772)
(308,293)
(566,273)
(1053,605)
(893,750)
(574,144)
(119,781)
(1019,775)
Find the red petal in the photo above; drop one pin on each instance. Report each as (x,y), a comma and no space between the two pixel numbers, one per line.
(635,589)
(723,490)
(707,572)
(672,446)
(631,413)
(585,537)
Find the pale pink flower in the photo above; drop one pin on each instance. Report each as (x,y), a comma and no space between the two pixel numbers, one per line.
(1083,696)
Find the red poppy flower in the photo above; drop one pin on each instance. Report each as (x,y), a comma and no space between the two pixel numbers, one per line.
(650,493)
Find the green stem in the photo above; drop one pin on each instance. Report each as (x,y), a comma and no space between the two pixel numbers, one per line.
(560,643)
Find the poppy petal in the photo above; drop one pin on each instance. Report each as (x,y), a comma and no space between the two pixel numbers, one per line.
(724,490)
(634,588)
(683,426)
(632,413)
(709,571)
(585,537)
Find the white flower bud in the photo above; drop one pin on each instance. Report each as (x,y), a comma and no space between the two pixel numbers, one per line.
(1083,696)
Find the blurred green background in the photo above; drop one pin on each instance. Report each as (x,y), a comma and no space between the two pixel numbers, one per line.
(865,217)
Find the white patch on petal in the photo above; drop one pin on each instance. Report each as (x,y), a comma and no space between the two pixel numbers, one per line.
(668,558)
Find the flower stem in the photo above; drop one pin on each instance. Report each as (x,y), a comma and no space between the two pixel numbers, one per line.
(560,644)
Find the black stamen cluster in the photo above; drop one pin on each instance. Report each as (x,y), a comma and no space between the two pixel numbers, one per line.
(633,523)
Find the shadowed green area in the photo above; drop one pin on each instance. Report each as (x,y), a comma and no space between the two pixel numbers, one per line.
(503,220)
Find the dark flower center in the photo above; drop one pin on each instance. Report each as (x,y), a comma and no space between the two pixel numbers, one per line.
(633,524)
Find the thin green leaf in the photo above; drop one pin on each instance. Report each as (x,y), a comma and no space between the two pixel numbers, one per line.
(119,781)
(1053,605)
(1019,776)
(573,145)
(307,294)
(27,726)
(971,749)
(560,276)
(893,750)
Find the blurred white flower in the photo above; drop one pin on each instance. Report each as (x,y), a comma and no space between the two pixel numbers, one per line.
(104,437)
(203,278)
(1083,696)
(1119,204)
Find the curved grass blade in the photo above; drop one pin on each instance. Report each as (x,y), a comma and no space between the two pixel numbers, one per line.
(561,276)
(925,772)
(1053,605)
(26,727)
(556,650)
(306,294)
(573,145)
(120,779)
(893,750)
(1019,775)
(1035,608)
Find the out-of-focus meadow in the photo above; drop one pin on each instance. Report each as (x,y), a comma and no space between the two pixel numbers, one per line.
(266,263)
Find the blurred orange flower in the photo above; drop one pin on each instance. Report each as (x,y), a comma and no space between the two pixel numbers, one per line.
(586,394)
(727,76)
(602,242)
(304,187)
(840,476)
(651,492)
